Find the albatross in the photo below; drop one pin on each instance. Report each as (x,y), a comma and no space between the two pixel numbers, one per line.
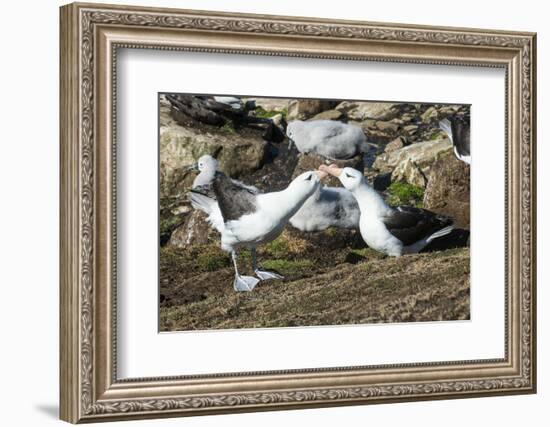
(458,132)
(328,138)
(251,218)
(394,231)
(327,207)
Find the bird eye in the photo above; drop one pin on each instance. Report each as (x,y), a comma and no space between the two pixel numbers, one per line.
(309,177)
(348,175)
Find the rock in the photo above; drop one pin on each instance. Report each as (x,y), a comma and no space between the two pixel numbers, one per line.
(302,109)
(409,172)
(307,162)
(270,104)
(396,144)
(388,127)
(369,110)
(410,130)
(422,153)
(195,229)
(328,115)
(448,189)
(180,146)
(431,114)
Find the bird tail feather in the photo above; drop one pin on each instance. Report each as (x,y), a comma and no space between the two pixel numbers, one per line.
(445,126)
(440,233)
(200,201)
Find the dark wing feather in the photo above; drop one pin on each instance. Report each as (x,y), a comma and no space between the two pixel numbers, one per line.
(411,224)
(234,199)
(460,127)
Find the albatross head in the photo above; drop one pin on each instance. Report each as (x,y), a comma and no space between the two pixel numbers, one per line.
(350,178)
(304,185)
(205,163)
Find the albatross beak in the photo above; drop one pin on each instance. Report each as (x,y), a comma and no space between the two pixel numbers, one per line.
(193,167)
(331,169)
(321,174)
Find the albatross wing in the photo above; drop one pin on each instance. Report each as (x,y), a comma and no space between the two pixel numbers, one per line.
(410,224)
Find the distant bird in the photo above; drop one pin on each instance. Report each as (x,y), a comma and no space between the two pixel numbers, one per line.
(251,219)
(231,101)
(327,207)
(393,231)
(328,138)
(458,132)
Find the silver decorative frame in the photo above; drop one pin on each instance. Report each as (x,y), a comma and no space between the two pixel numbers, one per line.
(90,36)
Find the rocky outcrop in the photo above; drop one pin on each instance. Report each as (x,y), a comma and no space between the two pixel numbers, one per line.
(448,189)
(303,109)
(408,171)
(422,154)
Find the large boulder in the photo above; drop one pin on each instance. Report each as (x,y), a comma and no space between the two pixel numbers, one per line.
(307,162)
(423,154)
(408,171)
(448,189)
(303,109)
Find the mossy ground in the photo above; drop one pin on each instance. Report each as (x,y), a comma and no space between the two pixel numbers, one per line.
(400,193)
(321,287)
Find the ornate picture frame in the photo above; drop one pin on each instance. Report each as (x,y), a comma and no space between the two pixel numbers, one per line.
(90,37)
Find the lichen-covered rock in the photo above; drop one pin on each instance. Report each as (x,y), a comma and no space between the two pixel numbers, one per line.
(423,154)
(409,172)
(329,115)
(303,109)
(270,104)
(448,189)
(396,144)
(369,110)
(194,230)
(307,162)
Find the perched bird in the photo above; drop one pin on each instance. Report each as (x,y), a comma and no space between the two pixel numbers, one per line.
(231,101)
(394,231)
(327,207)
(250,218)
(328,138)
(458,132)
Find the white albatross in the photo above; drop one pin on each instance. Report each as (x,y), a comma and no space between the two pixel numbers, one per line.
(328,138)
(327,207)
(393,231)
(251,219)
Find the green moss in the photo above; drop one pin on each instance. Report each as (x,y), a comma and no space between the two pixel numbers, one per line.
(401,193)
(278,248)
(229,127)
(330,232)
(212,261)
(287,267)
(267,114)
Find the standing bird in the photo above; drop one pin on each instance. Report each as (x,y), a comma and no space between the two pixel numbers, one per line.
(393,231)
(251,219)
(458,132)
(327,207)
(328,138)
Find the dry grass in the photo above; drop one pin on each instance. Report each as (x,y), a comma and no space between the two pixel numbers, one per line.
(341,287)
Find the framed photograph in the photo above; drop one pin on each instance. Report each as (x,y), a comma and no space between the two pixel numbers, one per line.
(267,212)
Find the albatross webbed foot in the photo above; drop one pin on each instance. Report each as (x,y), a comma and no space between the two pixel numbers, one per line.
(244,283)
(267,275)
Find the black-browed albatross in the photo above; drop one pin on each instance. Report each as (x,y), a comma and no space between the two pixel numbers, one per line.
(251,219)
(458,131)
(394,231)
